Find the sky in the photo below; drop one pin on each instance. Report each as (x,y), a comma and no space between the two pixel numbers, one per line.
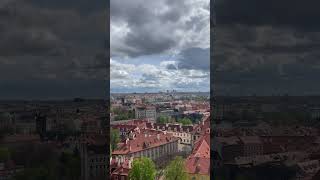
(53,49)
(266,47)
(159,45)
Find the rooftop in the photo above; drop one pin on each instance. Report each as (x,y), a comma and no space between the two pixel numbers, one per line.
(144,139)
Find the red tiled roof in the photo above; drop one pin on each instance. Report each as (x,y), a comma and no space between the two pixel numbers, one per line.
(205,138)
(201,149)
(198,165)
(199,160)
(124,126)
(143,140)
(204,125)
(123,169)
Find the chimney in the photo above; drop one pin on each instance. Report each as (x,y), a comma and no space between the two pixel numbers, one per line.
(198,168)
(158,136)
(129,147)
(127,140)
(146,135)
(129,164)
(117,160)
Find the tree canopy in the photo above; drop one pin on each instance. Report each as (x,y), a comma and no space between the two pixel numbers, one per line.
(163,119)
(142,168)
(176,170)
(4,154)
(185,121)
(114,138)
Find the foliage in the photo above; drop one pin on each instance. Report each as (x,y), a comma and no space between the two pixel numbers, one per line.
(70,165)
(114,138)
(122,114)
(142,168)
(176,170)
(185,121)
(4,154)
(163,119)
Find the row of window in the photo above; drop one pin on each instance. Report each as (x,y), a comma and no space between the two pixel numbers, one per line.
(182,134)
(186,140)
(157,152)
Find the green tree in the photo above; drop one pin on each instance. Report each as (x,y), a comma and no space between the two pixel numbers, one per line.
(142,168)
(114,138)
(185,121)
(176,170)
(110,151)
(4,154)
(70,165)
(163,119)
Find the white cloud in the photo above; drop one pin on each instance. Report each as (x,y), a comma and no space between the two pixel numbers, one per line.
(148,76)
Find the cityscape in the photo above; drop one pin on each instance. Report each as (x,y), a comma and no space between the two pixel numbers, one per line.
(185,90)
(265,112)
(53,139)
(160,90)
(167,128)
(266,137)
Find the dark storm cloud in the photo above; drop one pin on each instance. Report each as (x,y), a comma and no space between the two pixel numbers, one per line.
(142,20)
(42,41)
(152,25)
(266,12)
(266,46)
(159,44)
(82,6)
(195,58)
(31,42)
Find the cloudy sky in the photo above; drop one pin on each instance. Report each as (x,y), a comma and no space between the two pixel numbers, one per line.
(52,49)
(159,45)
(266,47)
